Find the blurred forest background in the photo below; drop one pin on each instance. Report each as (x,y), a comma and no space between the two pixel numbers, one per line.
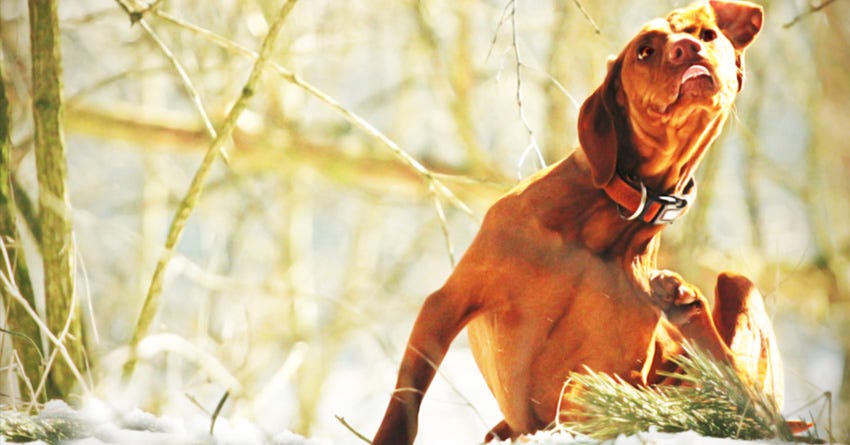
(375,139)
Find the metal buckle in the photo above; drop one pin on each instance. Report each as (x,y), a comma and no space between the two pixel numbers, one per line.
(672,207)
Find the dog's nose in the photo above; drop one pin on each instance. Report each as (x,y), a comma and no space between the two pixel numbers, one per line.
(684,49)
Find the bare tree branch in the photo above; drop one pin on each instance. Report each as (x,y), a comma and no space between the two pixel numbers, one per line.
(811,10)
(532,141)
(370,168)
(181,72)
(350,428)
(151,303)
(8,283)
(587,16)
(429,176)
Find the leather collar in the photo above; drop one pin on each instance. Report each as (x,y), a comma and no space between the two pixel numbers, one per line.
(635,201)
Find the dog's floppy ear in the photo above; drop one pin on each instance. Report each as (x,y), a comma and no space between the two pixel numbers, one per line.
(597,126)
(739,21)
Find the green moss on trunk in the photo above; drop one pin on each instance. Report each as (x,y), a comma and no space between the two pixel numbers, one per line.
(57,245)
(27,341)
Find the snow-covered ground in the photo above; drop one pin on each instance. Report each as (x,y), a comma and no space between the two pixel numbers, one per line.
(458,409)
(101,426)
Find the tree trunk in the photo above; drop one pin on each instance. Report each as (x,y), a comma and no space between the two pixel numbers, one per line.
(27,338)
(57,245)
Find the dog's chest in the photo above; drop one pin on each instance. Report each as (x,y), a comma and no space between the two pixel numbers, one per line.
(590,314)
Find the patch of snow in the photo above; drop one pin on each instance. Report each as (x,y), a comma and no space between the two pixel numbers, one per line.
(104,425)
(651,437)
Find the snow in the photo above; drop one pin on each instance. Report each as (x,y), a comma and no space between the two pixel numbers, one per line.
(647,438)
(106,427)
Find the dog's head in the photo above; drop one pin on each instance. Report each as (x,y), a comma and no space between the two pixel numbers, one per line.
(679,73)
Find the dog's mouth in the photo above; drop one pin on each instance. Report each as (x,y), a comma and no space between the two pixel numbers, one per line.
(694,72)
(696,80)
(696,86)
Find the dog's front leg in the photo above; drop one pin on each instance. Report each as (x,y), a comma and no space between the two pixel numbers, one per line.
(441,318)
(687,309)
(738,330)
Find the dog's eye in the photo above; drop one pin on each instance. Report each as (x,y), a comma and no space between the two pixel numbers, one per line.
(644,52)
(707,35)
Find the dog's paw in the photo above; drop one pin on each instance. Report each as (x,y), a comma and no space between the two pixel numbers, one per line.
(669,289)
(680,301)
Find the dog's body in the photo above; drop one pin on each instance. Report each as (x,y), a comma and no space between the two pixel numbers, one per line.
(562,274)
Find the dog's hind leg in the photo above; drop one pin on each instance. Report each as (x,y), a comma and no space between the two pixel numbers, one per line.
(502,431)
(441,318)
(743,324)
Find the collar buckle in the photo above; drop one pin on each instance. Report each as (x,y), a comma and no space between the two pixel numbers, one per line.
(671,208)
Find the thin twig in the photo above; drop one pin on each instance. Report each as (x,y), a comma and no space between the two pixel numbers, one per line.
(69,320)
(452,386)
(829,416)
(532,141)
(351,428)
(811,10)
(444,226)
(558,85)
(79,95)
(42,382)
(19,335)
(502,20)
(217,411)
(84,272)
(184,77)
(22,374)
(587,16)
(194,97)
(151,303)
(197,404)
(8,281)
(510,11)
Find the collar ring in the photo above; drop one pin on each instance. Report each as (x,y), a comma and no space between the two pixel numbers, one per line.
(640,208)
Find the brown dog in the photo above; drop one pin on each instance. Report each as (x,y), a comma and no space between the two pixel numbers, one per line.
(562,273)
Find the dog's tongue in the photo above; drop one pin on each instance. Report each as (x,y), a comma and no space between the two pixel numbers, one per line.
(695,71)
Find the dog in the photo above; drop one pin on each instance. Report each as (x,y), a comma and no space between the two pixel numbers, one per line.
(562,274)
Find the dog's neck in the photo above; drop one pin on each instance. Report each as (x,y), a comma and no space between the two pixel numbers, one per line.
(663,156)
(667,151)
(569,203)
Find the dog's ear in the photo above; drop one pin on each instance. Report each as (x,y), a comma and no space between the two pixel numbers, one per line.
(597,126)
(739,21)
